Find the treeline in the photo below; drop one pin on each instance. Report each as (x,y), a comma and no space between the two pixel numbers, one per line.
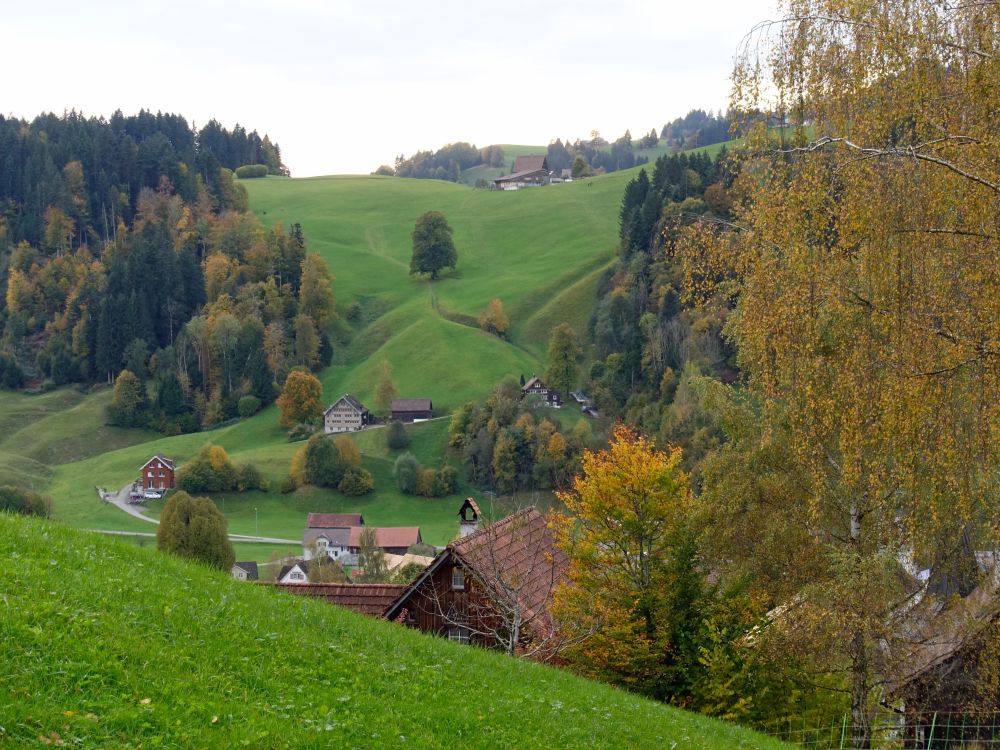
(508,445)
(699,128)
(195,310)
(91,170)
(594,156)
(648,344)
(446,163)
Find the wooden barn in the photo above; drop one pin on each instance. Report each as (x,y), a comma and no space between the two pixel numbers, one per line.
(411,409)
(531,170)
(492,587)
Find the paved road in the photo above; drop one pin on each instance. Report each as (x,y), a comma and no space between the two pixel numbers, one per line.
(120,500)
(232,537)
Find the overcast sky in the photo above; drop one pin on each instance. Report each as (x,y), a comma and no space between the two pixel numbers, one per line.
(344,87)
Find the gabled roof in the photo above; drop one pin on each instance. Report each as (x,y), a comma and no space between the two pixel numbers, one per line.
(369,599)
(518,552)
(162,458)
(250,568)
(411,404)
(530,163)
(302,565)
(337,537)
(471,505)
(334,520)
(533,382)
(350,401)
(390,536)
(516,176)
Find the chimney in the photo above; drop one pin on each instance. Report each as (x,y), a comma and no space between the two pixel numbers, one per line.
(468,516)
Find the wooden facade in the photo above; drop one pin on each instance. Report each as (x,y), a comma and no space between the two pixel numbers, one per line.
(470,590)
(411,409)
(538,391)
(346,414)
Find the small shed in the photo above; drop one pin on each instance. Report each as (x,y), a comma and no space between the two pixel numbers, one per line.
(412,409)
(245,571)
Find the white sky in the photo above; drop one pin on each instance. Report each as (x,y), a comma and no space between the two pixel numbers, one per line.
(343,87)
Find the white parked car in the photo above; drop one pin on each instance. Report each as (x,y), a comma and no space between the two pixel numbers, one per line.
(152,495)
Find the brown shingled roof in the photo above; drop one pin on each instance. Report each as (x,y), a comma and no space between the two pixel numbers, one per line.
(390,536)
(411,404)
(369,599)
(334,520)
(530,163)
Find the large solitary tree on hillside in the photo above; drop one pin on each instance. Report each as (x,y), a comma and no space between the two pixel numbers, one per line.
(865,256)
(433,248)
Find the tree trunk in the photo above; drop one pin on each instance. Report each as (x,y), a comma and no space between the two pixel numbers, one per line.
(861,731)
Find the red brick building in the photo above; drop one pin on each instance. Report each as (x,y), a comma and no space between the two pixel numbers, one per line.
(157,474)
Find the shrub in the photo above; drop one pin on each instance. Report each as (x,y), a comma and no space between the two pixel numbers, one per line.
(322,464)
(250,171)
(426,479)
(446,482)
(248,477)
(25,502)
(349,453)
(193,527)
(404,471)
(212,471)
(354,312)
(288,485)
(395,436)
(248,406)
(301,431)
(356,481)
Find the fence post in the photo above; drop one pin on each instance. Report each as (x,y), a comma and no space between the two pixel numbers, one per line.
(843,732)
(930,734)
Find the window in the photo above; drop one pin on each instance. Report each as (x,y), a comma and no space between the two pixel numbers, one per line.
(458,579)
(149,474)
(296,576)
(459,634)
(162,474)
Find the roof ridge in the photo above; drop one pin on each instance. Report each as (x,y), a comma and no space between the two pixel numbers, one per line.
(493,526)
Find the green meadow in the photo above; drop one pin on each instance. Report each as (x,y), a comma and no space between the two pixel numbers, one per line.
(152,651)
(541,251)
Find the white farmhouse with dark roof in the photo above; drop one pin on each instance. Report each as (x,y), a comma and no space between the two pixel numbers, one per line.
(346,414)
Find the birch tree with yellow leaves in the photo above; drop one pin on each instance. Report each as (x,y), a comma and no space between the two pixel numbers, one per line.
(865,257)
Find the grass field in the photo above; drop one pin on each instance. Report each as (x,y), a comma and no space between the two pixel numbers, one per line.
(151,651)
(540,251)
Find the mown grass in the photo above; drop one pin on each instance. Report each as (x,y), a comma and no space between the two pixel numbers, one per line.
(106,645)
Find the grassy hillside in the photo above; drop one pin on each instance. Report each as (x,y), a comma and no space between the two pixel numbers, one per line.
(540,251)
(105,645)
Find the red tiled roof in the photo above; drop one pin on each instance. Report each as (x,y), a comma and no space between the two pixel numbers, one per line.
(530,163)
(518,552)
(369,599)
(390,536)
(334,520)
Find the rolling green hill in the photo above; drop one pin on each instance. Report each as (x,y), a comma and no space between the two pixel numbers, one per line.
(104,645)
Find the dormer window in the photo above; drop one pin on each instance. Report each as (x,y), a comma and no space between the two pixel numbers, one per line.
(458,579)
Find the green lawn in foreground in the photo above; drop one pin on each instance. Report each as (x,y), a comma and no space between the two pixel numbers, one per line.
(104,645)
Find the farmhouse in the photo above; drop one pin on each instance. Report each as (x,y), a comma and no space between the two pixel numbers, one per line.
(157,474)
(529,171)
(538,391)
(346,414)
(393,540)
(245,571)
(328,534)
(412,409)
(488,584)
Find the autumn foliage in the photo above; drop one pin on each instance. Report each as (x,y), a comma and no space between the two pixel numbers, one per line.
(301,399)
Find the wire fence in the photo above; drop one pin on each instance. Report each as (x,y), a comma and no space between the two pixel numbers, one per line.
(903,731)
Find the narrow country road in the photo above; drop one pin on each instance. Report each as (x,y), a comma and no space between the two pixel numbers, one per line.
(120,501)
